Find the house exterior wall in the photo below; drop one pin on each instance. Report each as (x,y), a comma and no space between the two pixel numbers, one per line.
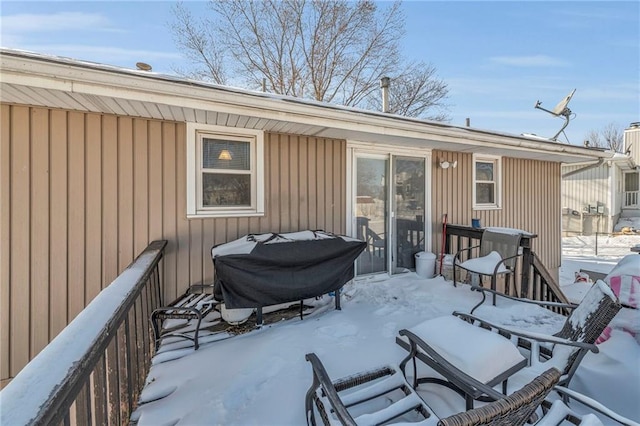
(632,142)
(591,187)
(81,194)
(530,201)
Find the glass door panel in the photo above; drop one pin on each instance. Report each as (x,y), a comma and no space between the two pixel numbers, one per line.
(409,207)
(371,213)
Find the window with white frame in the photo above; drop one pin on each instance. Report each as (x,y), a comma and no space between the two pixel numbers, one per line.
(225,171)
(486,182)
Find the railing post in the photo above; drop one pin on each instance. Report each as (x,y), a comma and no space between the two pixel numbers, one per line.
(526,266)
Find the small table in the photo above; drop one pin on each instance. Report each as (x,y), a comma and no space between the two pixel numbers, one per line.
(472,360)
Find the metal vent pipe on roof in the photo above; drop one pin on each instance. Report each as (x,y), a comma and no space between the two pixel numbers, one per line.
(143,66)
(384,86)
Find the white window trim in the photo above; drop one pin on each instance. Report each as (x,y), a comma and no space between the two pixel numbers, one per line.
(194,208)
(497,174)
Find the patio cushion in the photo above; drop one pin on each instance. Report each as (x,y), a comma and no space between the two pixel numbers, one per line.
(624,280)
(479,353)
(485,265)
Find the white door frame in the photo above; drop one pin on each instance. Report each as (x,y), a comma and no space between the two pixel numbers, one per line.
(357,149)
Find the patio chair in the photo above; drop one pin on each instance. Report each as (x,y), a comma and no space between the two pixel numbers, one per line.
(566,348)
(195,304)
(375,243)
(557,412)
(498,252)
(383,396)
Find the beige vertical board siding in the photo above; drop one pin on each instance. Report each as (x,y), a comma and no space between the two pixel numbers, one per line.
(83,194)
(109,195)
(125,192)
(294,183)
(303,183)
(208,241)
(196,263)
(58,241)
(77,211)
(272,202)
(323,185)
(286,201)
(320,185)
(154,191)
(632,141)
(5,238)
(169,219)
(154,165)
(140,186)
(93,210)
(582,189)
(313,189)
(20,238)
(530,201)
(339,196)
(451,193)
(284,183)
(587,187)
(39,256)
(192,229)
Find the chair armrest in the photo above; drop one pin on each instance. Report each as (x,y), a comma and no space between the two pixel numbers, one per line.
(199,288)
(457,255)
(544,304)
(321,378)
(454,374)
(495,271)
(594,405)
(525,300)
(537,337)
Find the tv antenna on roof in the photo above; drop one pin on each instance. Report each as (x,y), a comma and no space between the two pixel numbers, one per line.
(560,110)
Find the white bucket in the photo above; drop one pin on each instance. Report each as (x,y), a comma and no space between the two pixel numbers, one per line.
(425,264)
(235,316)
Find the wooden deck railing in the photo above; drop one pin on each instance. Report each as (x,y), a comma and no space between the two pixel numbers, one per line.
(93,371)
(531,280)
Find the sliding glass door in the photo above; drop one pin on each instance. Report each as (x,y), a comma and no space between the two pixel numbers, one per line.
(389,208)
(408,211)
(371,211)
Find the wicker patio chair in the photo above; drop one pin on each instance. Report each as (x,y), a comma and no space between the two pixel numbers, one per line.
(383,396)
(566,348)
(336,400)
(498,254)
(513,410)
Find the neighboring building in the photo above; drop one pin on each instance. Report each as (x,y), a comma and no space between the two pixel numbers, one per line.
(595,195)
(97,161)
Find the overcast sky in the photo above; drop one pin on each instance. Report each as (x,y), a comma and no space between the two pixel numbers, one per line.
(498,58)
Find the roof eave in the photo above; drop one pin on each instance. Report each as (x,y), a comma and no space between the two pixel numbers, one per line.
(72,76)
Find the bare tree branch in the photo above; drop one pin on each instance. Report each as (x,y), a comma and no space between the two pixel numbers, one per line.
(611,137)
(196,43)
(328,50)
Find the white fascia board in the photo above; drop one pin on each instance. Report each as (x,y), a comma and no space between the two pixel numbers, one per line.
(138,86)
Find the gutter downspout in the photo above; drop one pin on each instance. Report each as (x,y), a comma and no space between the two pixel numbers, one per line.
(582,169)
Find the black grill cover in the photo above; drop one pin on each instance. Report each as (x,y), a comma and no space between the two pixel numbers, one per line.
(285,272)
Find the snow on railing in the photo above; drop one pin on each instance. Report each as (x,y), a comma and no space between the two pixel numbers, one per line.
(93,371)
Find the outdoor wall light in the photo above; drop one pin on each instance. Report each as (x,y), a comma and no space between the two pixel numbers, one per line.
(447,164)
